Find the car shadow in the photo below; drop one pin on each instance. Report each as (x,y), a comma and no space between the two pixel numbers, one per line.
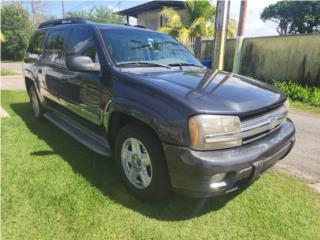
(101,172)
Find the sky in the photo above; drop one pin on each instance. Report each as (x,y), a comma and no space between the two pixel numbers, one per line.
(254,27)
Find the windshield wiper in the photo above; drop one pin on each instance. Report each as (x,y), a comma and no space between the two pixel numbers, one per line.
(184,64)
(142,63)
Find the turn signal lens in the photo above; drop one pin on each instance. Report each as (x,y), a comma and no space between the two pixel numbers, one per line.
(194,131)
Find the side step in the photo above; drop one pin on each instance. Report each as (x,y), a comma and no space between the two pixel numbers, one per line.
(84,135)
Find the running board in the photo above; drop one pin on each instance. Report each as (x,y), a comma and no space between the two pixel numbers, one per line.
(84,135)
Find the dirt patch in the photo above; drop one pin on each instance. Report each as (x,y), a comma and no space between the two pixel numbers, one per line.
(3,113)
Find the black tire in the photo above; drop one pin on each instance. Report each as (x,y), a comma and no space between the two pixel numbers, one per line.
(36,105)
(159,187)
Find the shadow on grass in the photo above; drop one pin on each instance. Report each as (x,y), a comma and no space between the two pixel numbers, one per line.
(102,174)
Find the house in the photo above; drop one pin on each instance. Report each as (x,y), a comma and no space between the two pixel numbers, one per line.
(148,14)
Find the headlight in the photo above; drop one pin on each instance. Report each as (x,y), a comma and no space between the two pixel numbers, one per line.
(209,132)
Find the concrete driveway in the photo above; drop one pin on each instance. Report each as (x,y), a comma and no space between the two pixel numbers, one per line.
(303,161)
(13,82)
(13,66)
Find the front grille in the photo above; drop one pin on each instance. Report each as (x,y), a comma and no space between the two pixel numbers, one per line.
(253,128)
(258,127)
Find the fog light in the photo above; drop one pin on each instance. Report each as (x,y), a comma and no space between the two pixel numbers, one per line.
(218,185)
(218,177)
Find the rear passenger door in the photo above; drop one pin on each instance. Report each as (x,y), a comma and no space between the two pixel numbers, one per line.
(83,90)
(52,70)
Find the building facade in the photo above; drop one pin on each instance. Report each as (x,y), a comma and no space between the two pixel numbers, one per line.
(149,14)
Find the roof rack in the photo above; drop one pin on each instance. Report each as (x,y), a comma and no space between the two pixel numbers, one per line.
(138,26)
(68,20)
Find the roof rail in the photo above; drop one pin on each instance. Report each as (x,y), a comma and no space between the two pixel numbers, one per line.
(68,20)
(138,26)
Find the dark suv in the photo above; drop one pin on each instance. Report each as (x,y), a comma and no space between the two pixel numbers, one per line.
(169,122)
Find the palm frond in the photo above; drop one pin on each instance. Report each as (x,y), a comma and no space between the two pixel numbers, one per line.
(172,16)
(184,35)
(199,8)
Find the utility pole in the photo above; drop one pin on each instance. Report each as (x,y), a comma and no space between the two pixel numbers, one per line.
(62,8)
(240,33)
(220,33)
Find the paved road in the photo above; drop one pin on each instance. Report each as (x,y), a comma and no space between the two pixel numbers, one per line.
(13,82)
(15,67)
(303,161)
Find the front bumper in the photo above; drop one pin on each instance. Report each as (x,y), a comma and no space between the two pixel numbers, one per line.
(191,172)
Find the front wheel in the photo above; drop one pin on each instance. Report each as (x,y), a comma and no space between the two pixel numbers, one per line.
(35,103)
(140,159)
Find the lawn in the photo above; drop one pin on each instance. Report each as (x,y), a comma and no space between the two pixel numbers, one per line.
(54,188)
(300,106)
(7,72)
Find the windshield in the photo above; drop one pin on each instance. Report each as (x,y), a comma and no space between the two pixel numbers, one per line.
(145,48)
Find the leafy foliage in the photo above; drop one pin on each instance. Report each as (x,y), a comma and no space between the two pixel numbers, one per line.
(198,22)
(294,17)
(296,92)
(17,29)
(99,15)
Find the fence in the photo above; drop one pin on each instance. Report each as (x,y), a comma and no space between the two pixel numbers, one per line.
(295,57)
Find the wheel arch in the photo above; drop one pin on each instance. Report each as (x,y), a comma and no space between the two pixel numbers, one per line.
(118,119)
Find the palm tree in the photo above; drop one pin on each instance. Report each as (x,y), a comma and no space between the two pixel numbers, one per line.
(198,23)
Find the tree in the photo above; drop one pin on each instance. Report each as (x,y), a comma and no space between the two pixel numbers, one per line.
(100,15)
(36,8)
(17,29)
(199,21)
(294,17)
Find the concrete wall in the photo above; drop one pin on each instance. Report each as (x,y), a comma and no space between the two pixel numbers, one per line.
(151,19)
(207,51)
(279,57)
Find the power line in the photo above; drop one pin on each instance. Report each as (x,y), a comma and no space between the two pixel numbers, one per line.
(75,7)
(81,6)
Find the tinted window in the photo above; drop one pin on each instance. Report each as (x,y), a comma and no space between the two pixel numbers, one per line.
(127,46)
(35,47)
(55,46)
(81,42)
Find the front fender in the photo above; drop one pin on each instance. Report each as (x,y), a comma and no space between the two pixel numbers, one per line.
(169,125)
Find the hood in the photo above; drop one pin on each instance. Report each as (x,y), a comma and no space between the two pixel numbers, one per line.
(208,91)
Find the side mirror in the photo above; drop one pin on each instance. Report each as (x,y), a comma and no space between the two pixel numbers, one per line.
(82,64)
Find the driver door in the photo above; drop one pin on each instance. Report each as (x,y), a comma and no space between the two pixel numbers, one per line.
(82,92)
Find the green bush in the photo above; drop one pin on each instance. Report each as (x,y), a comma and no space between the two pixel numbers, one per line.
(17,29)
(296,92)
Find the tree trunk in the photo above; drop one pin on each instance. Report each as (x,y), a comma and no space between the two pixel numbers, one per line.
(197,47)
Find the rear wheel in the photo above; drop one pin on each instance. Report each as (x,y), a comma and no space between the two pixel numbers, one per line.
(140,159)
(35,103)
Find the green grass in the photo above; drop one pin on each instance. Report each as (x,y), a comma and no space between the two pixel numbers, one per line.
(300,106)
(11,61)
(7,72)
(54,188)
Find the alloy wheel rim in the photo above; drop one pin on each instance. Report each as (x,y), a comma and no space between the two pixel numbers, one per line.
(136,163)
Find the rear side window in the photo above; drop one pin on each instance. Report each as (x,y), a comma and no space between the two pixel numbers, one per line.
(54,50)
(81,42)
(35,46)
